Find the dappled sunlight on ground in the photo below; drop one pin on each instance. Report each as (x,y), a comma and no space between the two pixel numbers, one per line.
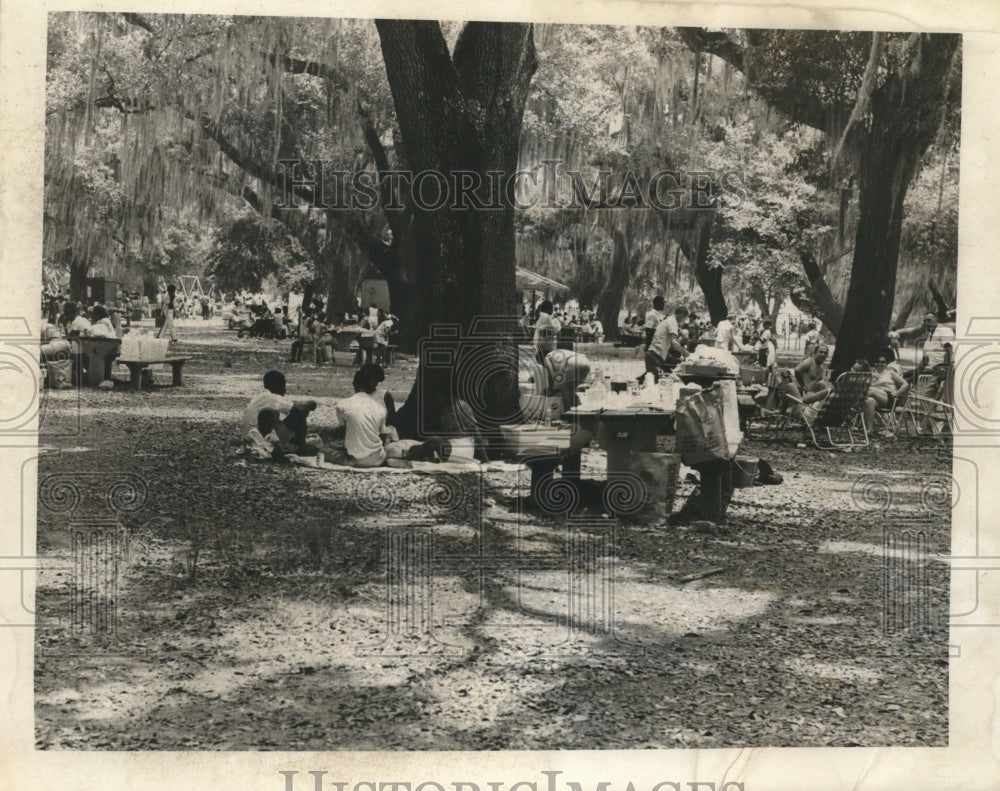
(264,606)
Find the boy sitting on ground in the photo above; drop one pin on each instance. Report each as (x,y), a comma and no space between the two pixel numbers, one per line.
(291,431)
(368,440)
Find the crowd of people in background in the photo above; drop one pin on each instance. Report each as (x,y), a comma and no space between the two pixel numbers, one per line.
(315,327)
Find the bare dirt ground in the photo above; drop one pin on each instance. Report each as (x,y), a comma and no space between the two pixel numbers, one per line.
(273,607)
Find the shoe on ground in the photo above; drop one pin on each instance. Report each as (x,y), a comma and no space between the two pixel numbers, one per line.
(401,464)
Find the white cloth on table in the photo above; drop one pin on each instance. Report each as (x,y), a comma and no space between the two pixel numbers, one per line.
(103,328)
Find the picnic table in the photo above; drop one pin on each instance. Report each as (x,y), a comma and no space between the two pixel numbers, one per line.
(136,367)
(622,431)
(99,353)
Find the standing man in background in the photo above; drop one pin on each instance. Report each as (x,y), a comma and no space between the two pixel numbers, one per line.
(653,317)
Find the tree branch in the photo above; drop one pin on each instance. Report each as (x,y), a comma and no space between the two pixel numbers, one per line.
(140,21)
(395,218)
(798,104)
(863,101)
(314,68)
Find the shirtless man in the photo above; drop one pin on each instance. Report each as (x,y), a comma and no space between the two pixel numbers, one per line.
(886,387)
(811,376)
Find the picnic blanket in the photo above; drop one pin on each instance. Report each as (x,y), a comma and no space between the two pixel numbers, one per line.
(421,467)
(416,466)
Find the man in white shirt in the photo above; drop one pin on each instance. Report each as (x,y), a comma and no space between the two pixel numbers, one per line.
(365,429)
(368,440)
(938,336)
(292,429)
(653,317)
(546,330)
(666,346)
(725,337)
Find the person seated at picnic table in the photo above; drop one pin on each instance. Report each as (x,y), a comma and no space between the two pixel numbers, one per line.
(368,440)
(75,325)
(886,388)
(291,430)
(597,330)
(666,348)
(102,326)
(546,330)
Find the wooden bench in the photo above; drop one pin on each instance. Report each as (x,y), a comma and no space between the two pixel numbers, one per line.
(136,367)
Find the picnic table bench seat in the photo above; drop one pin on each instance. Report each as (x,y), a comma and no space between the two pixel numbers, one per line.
(136,367)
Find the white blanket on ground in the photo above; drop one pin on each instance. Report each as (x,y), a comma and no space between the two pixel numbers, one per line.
(423,467)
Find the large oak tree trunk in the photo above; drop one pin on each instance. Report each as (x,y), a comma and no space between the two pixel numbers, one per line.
(460,113)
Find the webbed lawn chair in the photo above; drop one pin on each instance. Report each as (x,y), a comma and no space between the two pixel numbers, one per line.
(926,412)
(833,425)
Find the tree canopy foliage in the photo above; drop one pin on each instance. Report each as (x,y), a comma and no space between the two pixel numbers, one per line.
(171,139)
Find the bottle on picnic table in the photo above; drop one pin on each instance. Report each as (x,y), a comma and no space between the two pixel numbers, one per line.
(598,393)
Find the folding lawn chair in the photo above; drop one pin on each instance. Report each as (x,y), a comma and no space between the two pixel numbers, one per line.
(892,419)
(835,423)
(927,413)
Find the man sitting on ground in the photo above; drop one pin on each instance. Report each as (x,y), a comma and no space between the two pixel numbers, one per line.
(887,386)
(368,440)
(291,430)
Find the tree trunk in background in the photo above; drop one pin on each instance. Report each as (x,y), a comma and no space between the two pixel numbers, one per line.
(695,248)
(828,310)
(905,116)
(78,267)
(622,270)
